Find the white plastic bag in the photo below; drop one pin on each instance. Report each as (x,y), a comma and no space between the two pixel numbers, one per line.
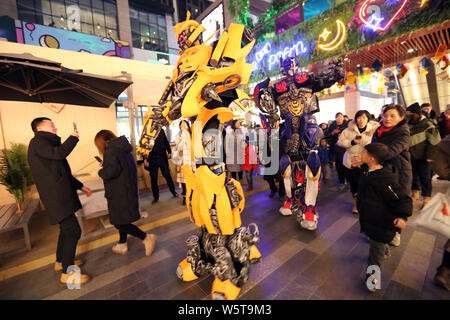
(435,216)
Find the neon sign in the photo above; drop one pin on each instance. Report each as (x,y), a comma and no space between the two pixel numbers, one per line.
(374,18)
(297,49)
(337,41)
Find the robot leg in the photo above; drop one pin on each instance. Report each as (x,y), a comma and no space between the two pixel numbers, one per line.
(240,252)
(312,172)
(298,181)
(193,266)
(285,210)
(224,286)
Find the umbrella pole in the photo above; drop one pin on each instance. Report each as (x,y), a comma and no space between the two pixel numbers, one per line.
(3,132)
(131,114)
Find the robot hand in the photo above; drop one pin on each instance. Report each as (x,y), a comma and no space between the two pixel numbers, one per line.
(152,126)
(268,106)
(336,70)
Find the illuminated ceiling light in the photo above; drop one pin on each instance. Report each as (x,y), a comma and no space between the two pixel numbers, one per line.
(410,50)
(403,42)
(358,65)
(345,59)
(62,18)
(98,26)
(337,41)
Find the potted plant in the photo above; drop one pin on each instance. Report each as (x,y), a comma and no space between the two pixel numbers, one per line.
(15,174)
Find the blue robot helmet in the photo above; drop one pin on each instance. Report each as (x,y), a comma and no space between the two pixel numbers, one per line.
(289,66)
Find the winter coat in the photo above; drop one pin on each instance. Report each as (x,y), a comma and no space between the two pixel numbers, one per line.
(52,175)
(424,138)
(441,157)
(324,155)
(119,174)
(158,154)
(337,152)
(181,154)
(380,201)
(444,126)
(399,158)
(349,134)
(250,161)
(234,148)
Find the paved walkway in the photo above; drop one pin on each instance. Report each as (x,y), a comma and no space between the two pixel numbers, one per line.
(296,264)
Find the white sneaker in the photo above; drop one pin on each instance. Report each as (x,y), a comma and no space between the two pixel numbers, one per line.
(309,225)
(285,210)
(396,241)
(120,248)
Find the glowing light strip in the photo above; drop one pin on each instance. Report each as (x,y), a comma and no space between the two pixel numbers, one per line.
(341,26)
(362,14)
(287,52)
(261,53)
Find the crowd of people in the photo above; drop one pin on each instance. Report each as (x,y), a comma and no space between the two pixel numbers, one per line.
(385,162)
(388,163)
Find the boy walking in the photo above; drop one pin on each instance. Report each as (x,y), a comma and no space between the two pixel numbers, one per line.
(382,204)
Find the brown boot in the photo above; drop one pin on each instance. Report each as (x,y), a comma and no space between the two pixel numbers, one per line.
(83,278)
(415,195)
(149,243)
(58,265)
(425,201)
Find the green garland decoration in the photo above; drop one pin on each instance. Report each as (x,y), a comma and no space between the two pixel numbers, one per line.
(432,14)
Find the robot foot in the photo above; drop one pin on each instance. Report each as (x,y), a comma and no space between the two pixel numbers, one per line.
(185,272)
(309,225)
(224,290)
(285,210)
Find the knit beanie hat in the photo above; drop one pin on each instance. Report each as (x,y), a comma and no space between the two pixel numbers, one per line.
(414,108)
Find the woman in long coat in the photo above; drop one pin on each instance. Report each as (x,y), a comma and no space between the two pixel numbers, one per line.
(119,174)
(358,134)
(182,154)
(394,132)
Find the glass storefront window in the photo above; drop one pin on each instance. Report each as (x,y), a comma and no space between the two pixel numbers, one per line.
(148,30)
(97,17)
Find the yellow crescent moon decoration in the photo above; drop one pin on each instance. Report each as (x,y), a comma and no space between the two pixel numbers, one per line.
(337,41)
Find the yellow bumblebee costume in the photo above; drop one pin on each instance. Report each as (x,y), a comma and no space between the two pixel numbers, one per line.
(204,86)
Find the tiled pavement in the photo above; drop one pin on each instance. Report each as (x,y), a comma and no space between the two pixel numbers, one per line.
(296,264)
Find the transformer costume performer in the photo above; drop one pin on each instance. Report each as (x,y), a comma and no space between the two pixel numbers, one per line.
(204,87)
(293,97)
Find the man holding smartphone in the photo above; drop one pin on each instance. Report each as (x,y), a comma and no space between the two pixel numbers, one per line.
(58,191)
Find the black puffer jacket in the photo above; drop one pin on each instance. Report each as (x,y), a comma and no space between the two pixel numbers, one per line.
(119,176)
(381,200)
(52,175)
(399,158)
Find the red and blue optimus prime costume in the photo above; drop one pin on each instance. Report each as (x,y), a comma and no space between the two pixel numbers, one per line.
(294,99)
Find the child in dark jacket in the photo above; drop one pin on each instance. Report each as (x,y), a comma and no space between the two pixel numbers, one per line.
(382,204)
(325,159)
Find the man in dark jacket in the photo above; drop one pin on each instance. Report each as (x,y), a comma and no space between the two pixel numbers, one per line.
(424,138)
(337,152)
(158,158)
(57,189)
(383,205)
(428,112)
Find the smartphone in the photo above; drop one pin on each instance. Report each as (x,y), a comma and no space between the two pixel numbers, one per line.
(75,126)
(98,159)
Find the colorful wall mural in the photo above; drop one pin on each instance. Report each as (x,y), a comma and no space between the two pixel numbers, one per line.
(39,35)
(44,36)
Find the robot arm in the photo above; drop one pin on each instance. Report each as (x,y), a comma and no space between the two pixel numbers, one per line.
(266,102)
(326,79)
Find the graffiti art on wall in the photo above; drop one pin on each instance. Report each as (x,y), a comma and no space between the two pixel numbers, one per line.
(39,35)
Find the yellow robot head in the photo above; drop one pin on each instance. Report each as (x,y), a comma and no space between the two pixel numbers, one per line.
(187,32)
